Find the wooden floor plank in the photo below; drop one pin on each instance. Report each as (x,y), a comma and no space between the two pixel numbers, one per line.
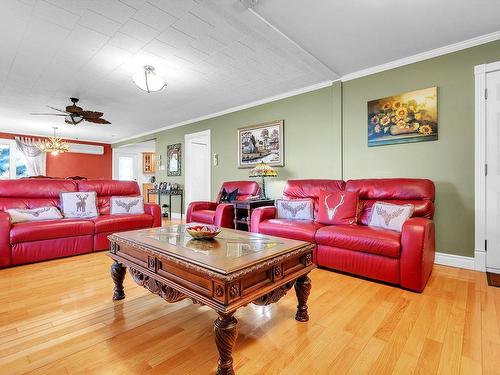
(70,325)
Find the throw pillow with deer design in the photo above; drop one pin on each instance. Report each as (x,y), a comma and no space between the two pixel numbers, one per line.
(79,204)
(127,205)
(390,216)
(296,209)
(336,208)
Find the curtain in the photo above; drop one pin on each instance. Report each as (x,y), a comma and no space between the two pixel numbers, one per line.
(34,158)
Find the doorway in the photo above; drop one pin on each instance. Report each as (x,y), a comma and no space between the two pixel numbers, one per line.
(198,167)
(487,167)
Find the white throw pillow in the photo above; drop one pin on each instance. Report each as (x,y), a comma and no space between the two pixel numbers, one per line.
(390,216)
(127,205)
(20,215)
(79,204)
(297,209)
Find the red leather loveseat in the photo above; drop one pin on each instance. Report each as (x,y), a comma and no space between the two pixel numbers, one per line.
(404,258)
(221,214)
(35,241)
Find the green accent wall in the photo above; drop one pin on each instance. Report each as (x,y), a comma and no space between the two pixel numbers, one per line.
(326,137)
(311,136)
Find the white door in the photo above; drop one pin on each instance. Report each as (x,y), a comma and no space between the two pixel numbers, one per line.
(126,167)
(493,172)
(198,167)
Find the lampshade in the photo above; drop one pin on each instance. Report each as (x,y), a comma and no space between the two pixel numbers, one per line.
(263,170)
(147,80)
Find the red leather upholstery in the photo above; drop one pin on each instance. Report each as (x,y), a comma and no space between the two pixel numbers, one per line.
(221,214)
(361,238)
(417,253)
(36,251)
(120,223)
(299,189)
(246,189)
(5,258)
(34,241)
(47,229)
(401,258)
(374,266)
(302,230)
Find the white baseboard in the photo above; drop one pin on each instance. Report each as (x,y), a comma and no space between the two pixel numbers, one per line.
(480,260)
(458,261)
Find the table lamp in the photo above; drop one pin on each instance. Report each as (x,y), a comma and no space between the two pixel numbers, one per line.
(263,170)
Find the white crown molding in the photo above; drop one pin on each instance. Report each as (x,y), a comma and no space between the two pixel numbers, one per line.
(347,77)
(256,103)
(423,56)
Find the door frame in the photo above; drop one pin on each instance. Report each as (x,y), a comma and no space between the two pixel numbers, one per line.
(114,167)
(187,139)
(480,72)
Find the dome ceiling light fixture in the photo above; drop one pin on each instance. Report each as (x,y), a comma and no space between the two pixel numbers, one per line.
(147,80)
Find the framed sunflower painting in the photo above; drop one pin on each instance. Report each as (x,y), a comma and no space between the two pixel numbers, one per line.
(403,118)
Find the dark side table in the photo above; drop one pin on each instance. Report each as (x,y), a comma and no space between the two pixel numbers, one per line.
(243,212)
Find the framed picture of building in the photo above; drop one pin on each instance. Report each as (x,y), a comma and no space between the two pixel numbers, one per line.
(174,158)
(403,118)
(261,143)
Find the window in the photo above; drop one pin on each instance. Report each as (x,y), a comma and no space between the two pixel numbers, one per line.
(12,164)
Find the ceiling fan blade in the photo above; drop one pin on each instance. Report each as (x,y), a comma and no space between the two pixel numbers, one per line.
(47,114)
(91,114)
(59,110)
(97,120)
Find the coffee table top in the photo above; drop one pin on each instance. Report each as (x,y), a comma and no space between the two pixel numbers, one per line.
(230,251)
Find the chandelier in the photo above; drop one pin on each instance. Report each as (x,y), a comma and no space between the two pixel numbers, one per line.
(54,145)
(147,80)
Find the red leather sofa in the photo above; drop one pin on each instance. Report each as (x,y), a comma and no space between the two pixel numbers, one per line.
(41,240)
(221,214)
(404,258)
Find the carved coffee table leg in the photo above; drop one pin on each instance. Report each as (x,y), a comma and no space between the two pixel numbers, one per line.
(302,289)
(118,274)
(225,337)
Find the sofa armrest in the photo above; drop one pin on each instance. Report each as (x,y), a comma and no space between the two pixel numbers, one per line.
(196,206)
(5,255)
(417,253)
(261,214)
(154,210)
(224,215)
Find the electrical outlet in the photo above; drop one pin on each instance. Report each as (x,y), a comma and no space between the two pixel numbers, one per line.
(216,160)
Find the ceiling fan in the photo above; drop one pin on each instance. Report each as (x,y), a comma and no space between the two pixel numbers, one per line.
(74,114)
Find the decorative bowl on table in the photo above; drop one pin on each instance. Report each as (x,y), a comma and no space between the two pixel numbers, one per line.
(203,232)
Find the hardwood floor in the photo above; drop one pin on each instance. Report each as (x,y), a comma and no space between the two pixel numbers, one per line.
(57,317)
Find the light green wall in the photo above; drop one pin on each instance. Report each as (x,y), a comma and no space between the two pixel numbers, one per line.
(311,136)
(449,161)
(316,122)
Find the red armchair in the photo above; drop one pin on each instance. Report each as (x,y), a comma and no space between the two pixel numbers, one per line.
(41,240)
(404,258)
(221,214)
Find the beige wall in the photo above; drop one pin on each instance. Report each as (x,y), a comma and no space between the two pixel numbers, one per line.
(318,121)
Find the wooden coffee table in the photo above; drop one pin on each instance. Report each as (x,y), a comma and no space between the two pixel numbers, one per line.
(235,269)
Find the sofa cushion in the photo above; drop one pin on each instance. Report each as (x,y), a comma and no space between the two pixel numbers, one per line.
(49,229)
(301,230)
(361,238)
(296,209)
(339,207)
(203,216)
(119,223)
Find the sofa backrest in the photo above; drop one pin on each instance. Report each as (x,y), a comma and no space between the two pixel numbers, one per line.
(33,193)
(419,192)
(106,189)
(246,189)
(301,189)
